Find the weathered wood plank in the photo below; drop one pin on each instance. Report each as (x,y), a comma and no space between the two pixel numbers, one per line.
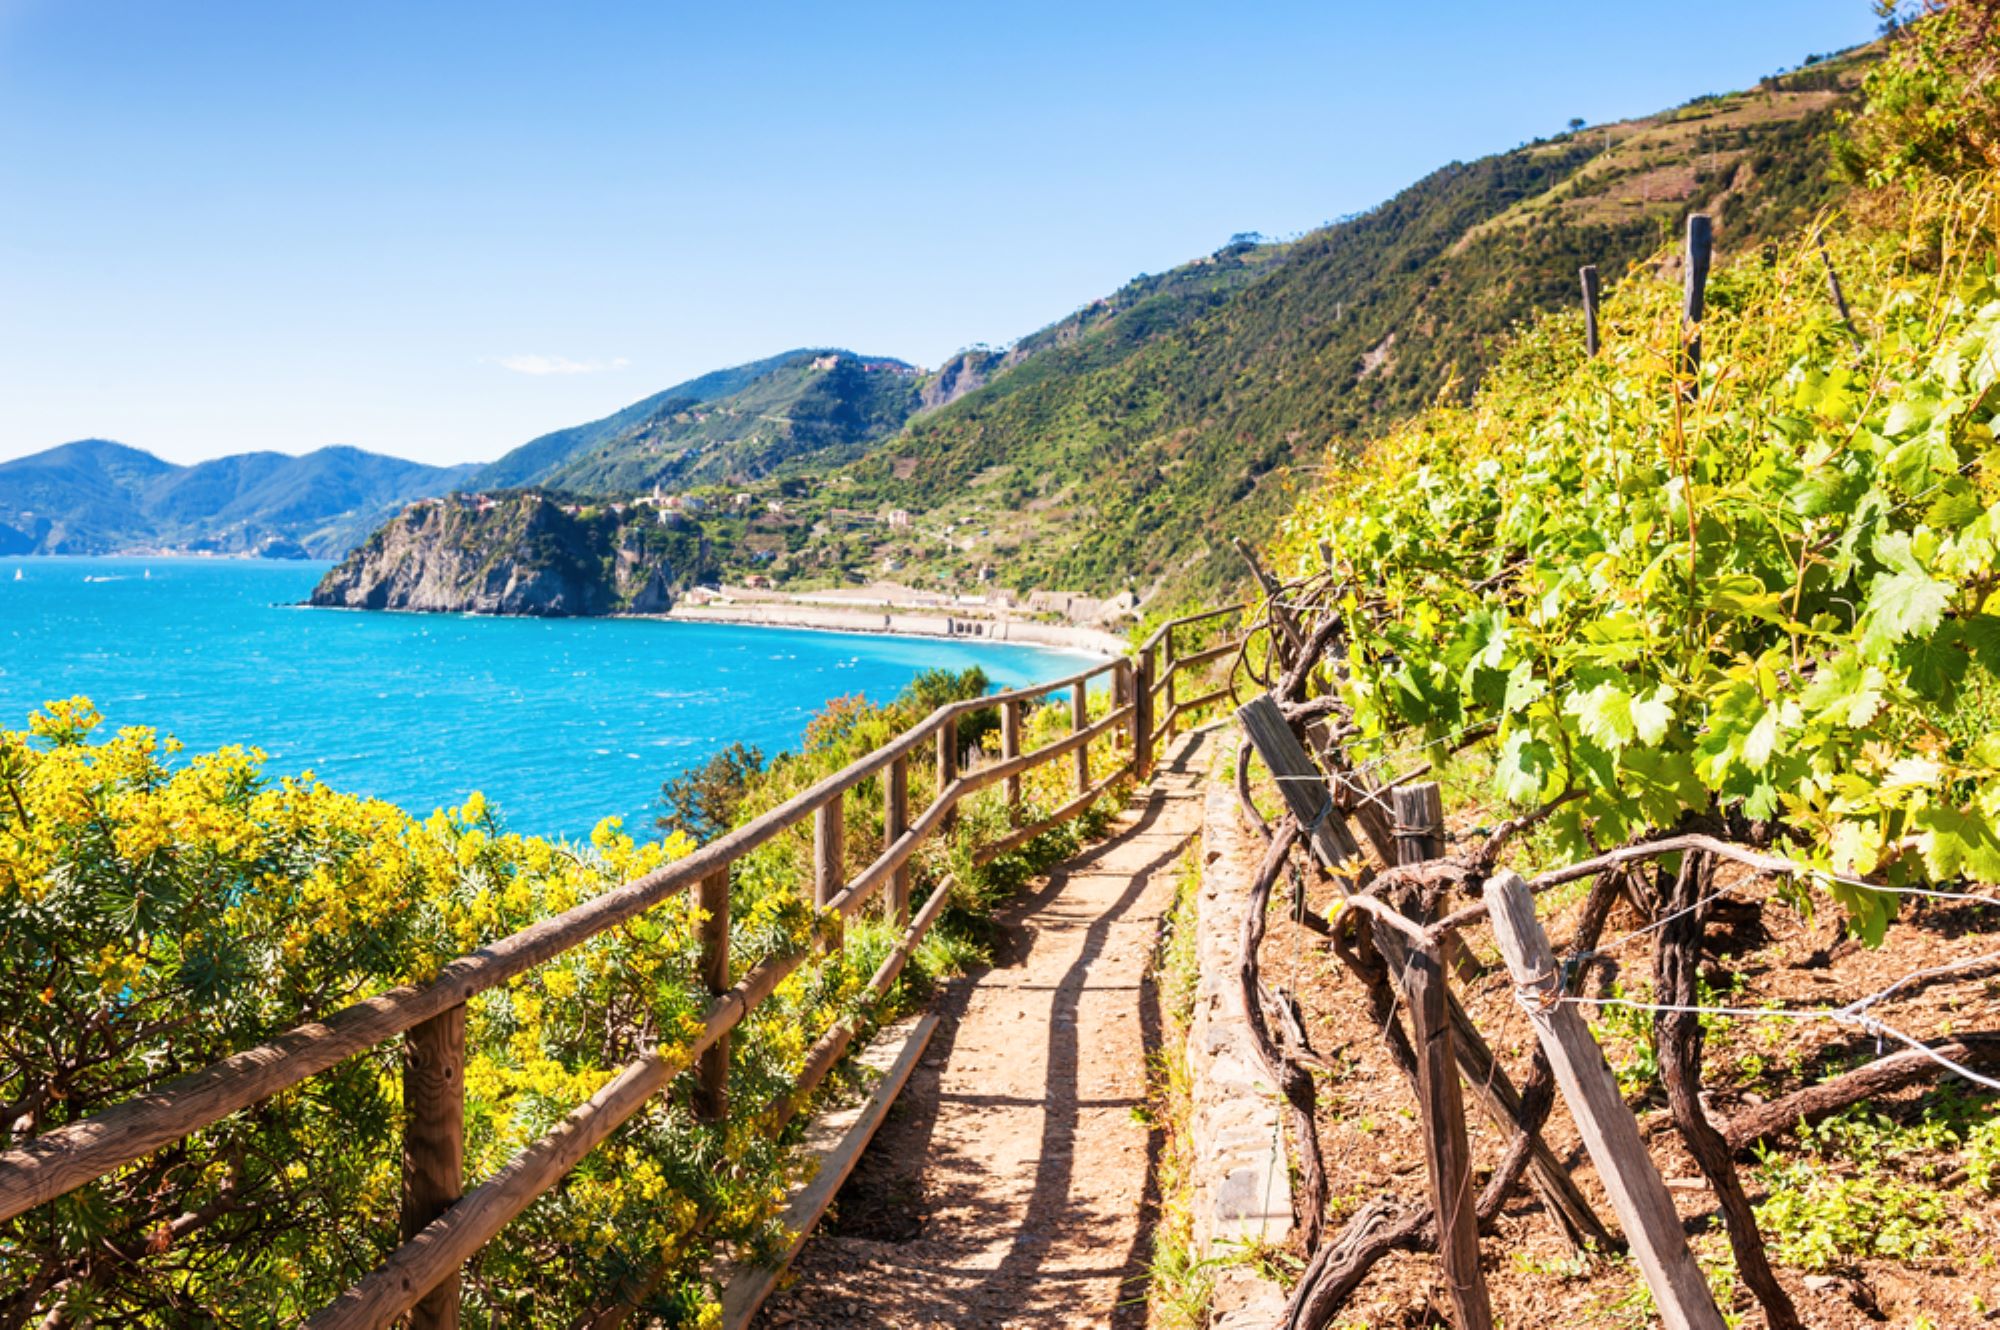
(711,1095)
(434,1145)
(1419,824)
(1303,788)
(838,1141)
(1610,1133)
(1447,1153)
(1495,1094)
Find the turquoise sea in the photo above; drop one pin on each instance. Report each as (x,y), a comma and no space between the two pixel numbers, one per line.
(560,722)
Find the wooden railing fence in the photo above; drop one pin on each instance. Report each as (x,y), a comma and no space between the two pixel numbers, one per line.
(444,1224)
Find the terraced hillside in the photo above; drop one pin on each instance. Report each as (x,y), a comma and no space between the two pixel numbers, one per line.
(1129,446)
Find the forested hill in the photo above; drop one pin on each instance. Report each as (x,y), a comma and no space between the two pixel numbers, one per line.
(1127,453)
(735,424)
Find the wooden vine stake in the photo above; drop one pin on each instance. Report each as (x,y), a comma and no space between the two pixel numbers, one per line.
(1303,787)
(1700,248)
(1610,1133)
(1447,1152)
(1588,274)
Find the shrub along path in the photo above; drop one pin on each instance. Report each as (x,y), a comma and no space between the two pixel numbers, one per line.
(1014,1183)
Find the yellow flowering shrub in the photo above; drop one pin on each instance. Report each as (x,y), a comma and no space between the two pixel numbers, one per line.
(161,911)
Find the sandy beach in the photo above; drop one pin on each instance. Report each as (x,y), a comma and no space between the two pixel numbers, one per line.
(899,621)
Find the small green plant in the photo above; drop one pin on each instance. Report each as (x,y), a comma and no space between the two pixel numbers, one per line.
(1816,1217)
(1639,1070)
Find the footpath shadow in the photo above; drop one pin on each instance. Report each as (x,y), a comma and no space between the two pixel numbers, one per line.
(888,1200)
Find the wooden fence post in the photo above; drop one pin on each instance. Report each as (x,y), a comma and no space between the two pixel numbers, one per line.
(1304,789)
(947,768)
(1010,747)
(1167,724)
(1079,719)
(711,1087)
(1419,835)
(1700,247)
(1588,273)
(1142,716)
(895,824)
(1610,1133)
(1419,824)
(1447,1153)
(1121,694)
(434,1145)
(829,851)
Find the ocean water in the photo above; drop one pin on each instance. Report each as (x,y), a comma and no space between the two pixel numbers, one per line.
(560,722)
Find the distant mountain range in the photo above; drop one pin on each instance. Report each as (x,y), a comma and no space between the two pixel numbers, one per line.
(99,497)
(1118,448)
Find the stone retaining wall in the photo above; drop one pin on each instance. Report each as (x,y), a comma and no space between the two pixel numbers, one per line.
(1242,1183)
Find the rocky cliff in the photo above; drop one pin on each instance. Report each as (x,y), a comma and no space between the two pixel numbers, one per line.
(520,553)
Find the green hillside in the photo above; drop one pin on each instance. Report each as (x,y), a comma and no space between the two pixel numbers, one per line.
(541,456)
(1122,446)
(1133,447)
(823,406)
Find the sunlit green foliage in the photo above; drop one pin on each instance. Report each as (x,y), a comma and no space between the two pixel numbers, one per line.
(1933,101)
(1772,589)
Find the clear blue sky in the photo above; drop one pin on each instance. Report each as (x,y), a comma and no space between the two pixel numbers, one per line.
(438,229)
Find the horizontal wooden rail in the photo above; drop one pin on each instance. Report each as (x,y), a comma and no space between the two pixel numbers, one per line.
(1015,839)
(1219,695)
(999,771)
(64,1158)
(1197,658)
(417,1266)
(1186,619)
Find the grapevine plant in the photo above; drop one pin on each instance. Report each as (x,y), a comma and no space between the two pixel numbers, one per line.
(1764,587)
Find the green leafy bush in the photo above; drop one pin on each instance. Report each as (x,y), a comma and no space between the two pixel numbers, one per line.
(1771,590)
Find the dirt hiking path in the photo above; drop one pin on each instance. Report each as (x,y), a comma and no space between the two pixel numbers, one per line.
(1014,1184)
